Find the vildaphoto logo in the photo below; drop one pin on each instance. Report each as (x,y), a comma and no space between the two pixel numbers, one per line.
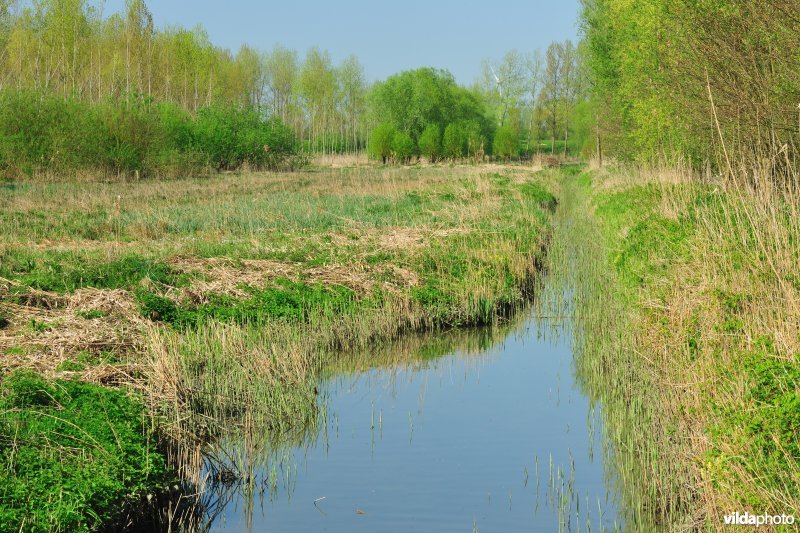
(747,519)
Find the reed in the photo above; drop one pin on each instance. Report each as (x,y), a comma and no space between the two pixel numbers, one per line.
(687,308)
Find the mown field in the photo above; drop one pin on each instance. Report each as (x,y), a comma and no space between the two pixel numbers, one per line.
(137,319)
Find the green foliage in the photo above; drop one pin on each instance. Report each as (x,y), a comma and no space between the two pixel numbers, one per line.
(646,236)
(475,137)
(506,142)
(653,66)
(380,142)
(430,142)
(454,141)
(289,300)
(230,136)
(66,273)
(403,146)
(768,430)
(44,133)
(413,99)
(74,455)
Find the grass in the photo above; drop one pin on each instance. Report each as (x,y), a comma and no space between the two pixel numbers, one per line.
(220,301)
(689,344)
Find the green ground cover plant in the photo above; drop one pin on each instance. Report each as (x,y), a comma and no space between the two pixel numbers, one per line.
(75,455)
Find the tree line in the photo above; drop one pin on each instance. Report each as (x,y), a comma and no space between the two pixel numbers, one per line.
(523,104)
(710,84)
(117,94)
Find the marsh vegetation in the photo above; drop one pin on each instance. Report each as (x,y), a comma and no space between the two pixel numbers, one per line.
(196,246)
(218,301)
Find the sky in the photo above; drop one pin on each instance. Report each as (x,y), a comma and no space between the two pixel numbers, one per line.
(387,37)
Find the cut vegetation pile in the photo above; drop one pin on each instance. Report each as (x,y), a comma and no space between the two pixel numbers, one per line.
(217,300)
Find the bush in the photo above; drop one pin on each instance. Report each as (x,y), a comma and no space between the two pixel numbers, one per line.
(454,142)
(230,136)
(430,142)
(133,134)
(380,142)
(505,142)
(48,134)
(40,132)
(402,147)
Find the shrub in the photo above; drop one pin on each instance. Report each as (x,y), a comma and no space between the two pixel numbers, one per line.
(454,141)
(230,136)
(430,142)
(505,142)
(402,146)
(133,135)
(42,133)
(380,142)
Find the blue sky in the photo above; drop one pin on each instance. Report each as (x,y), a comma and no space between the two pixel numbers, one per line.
(386,36)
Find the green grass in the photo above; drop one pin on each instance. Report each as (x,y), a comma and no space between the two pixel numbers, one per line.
(293,301)
(68,271)
(684,355)
(652,242)
(74,455)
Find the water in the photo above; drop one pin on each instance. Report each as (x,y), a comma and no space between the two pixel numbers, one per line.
(470,433)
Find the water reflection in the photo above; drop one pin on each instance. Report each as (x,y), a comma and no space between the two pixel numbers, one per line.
(464,430)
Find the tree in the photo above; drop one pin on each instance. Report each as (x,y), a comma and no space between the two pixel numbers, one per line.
(352,97)
(571,81)
(403,147)
(505,142)
(251,80)
(553,88)
(138,47)
(533,84)
(380,142)
(430,142)
(281,73)
(454,141)
(412,100)
(317,87)
(504,83)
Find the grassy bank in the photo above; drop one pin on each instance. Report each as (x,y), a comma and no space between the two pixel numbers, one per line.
(75,456)
(692,342)
(218,300)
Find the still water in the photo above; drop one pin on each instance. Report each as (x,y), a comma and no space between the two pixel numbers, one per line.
(471,431)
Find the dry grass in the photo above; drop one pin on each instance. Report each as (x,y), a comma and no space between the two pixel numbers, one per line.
(48,329)
(465,236)
(732,302)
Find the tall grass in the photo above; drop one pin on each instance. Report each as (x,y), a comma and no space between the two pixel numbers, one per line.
(689,309)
